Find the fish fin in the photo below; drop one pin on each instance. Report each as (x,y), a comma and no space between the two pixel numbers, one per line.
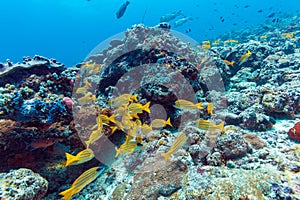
(118,150)
(221,126)
(146,107)
(166,155)
(134,97)
(70,158)
(134,116)
(67,194)
(113,128)
(87,143)
(168,122)
(199,105)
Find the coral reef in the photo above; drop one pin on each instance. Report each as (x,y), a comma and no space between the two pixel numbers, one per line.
(22,184)
(43,105)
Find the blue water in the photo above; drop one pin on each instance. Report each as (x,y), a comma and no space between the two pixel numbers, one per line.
(69,29)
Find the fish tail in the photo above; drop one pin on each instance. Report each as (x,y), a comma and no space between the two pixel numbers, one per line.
(88,142)
(112,119)
(221,126)
(166,155)
(168,122)
(134,97)
(146,107)
(70,158)
(67,194)
(199,105)
(117,152)
(113,128)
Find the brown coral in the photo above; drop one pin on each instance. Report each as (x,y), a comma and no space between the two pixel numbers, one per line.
(294,133)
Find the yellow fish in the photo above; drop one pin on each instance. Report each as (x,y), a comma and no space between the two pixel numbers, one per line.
(184,104)
(229,63)
(217,42)
(124,99)
(206,46)
(95,135)
(87,98)
(95,69)
(180,140)
(244,57)
(127,147)
(105,119)
(136,108)
(82,90)
(210,108)
(288,35)
(82,157)
(84,179)
(159,123)
(231,41)
(210,126)
(263,36)
(146,129)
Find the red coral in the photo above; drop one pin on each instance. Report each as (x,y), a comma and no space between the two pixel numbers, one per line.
(294,133)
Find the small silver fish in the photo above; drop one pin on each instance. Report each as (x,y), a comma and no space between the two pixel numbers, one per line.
(170,16)
(182,21)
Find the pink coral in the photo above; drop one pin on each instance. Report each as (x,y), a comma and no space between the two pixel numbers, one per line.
(68,102)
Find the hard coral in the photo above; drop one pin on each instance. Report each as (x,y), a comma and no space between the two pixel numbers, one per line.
(294,133)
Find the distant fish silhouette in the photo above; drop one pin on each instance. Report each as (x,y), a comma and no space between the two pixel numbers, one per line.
(271,15)
(122,9)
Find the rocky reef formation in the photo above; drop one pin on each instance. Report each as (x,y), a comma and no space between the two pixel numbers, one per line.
(22,184)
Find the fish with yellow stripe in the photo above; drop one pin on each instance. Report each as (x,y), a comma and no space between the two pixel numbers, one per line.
(185,104)
(210,107)
(83,180)
(159,123)
(210,126)
(229,63)
(245,57)
(124,99)
(87,98)
(179,141)
(83,89)
(128,147)
(82,157)
(137,108)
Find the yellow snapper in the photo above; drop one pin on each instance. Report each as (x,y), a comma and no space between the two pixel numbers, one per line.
(136,108)
(105,119)
(229,63)
(210,126)
(124,99)
(82,157)
(84,179)
(87,98)
(244,57)
(159,123)
(180,140)
(127,147)
(184,104)
(146,129)
(95,135)
(82,90)
(210,107)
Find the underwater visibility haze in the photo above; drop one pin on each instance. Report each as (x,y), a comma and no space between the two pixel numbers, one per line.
(136,99)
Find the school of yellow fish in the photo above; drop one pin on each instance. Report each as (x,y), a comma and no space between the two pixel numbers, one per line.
(126,109)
